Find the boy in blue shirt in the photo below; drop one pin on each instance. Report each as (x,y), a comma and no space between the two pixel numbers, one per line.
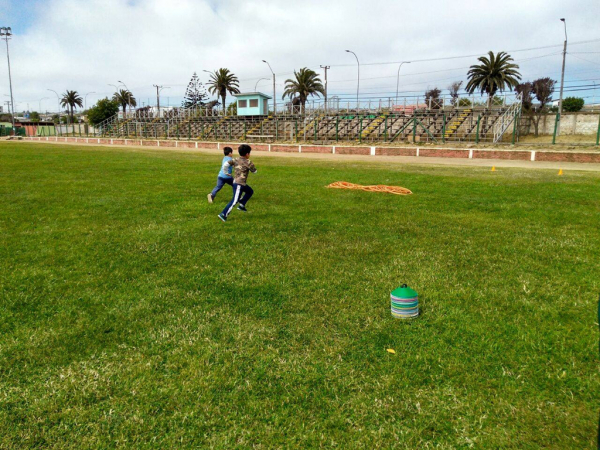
(224,175)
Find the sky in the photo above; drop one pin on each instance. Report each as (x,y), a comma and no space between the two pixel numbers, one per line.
(88,45)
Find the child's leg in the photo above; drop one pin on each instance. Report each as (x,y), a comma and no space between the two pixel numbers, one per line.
(248,191)
(218,187)
(237,191)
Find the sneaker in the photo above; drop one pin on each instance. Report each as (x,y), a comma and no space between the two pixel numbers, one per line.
(210,198)
(222,217)
(242,208)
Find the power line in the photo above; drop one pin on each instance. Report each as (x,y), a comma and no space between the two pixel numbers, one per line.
(466,56)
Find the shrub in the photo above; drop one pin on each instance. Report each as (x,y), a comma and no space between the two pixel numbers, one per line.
(102,110)
(572,104)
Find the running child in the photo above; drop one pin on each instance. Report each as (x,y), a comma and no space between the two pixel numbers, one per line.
(224,175)
(242,167)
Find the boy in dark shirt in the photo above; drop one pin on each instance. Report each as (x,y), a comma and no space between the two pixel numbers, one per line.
(242,166)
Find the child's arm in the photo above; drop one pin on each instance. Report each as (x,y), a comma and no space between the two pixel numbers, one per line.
(251,167)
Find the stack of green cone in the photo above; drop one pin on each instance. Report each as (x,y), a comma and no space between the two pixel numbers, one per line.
(405,302)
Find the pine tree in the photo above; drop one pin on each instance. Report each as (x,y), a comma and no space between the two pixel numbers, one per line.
(195,93)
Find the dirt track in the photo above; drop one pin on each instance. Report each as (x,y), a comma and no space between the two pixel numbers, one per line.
(417,160)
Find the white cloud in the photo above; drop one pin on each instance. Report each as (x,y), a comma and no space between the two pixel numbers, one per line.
(71,44)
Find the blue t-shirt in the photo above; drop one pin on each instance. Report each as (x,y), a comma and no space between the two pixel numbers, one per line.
(226,168)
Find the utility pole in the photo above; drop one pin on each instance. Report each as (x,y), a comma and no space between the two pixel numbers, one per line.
(325,67)
(562,80)
(158,88)
(6,33)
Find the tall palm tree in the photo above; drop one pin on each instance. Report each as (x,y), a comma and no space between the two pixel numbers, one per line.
(307,83)
(124,98)
(71,99)
(221,82)
(495,73)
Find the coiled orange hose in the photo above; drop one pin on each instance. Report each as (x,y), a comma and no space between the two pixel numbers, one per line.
(375,188)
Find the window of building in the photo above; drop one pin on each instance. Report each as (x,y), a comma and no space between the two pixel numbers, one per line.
(242,103)
(254,103)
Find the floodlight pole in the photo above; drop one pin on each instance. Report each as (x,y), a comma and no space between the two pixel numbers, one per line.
(562,79)
(274,98)
(398,78)
(6,33)
(358,79)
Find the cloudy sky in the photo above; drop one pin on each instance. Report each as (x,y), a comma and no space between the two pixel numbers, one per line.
(87,45)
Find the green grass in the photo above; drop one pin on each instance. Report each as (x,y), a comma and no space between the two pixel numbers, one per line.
(132,317)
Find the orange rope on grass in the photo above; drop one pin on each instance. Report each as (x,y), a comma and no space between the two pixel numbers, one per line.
(375,188)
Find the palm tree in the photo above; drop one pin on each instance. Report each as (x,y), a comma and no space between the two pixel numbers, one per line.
(71,99)
(124,98)
(495,73)
(221,82)
(307,83)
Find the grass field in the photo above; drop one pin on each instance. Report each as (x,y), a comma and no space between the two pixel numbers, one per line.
(132,317)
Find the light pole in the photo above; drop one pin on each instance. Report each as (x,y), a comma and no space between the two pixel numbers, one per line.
(562,80)
(6,33)
(358,79)
(119,81)
(398,79)
(45,98)
(256,85)
(58,102)
(274,101)
(85,104)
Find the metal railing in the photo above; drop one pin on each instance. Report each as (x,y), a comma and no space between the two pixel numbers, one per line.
(506,119)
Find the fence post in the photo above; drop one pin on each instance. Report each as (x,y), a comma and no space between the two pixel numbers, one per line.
(296,129)
(245,130)
(360,130)
(444,128)
(337,127)
(316,125)
(189,130)
(477,133)
(514,127)
(555,128)
(598,133)
(385,130)
(414,130)
(229,130)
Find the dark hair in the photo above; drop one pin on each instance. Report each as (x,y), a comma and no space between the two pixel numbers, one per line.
(227,151)
(244,149)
